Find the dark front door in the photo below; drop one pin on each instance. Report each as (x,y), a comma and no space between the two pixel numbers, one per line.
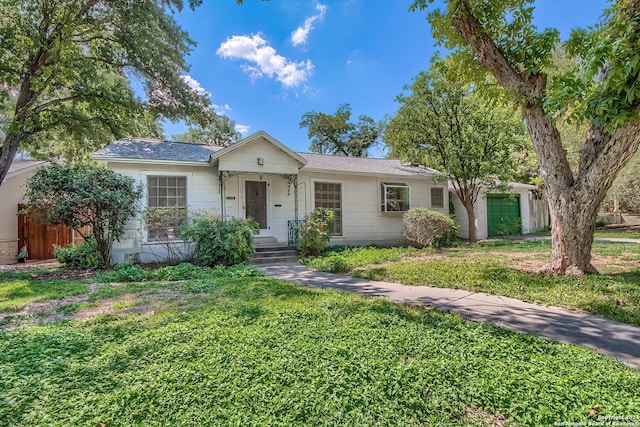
(255,193)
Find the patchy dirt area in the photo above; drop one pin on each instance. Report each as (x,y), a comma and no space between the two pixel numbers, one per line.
(604,264)
(532,262)
(82,307)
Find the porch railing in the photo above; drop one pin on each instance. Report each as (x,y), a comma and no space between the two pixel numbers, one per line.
(294,232)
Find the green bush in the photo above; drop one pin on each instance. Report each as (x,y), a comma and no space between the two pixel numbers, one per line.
(316,232)
(424,227)
(219,242)
(123,273)
(77,257)
(183,271)
(173,273)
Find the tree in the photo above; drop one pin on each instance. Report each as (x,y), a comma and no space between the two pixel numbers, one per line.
(69,195)
(220,131)
(449,127)
(71,67)
(625,191)
(334,134)
(600,91)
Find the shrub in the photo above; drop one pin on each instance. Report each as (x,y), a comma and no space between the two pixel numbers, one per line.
(77,257)
(316,232)
(424,227)
(163,227)
(219,242)
(124,273)
(82,196)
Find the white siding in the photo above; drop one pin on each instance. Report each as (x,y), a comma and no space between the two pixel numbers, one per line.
(202,193)
(11,193)
(363,222)
(246,159)
(480,210)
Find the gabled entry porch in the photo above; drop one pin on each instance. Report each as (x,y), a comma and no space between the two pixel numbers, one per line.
(258,179)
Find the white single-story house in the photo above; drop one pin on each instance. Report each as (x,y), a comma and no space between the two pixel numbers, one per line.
(12,194)
(261,178)
(521,210)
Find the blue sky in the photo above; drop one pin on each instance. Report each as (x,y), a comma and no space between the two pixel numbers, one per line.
(265,64)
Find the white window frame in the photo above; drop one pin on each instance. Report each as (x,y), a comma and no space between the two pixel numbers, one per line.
(330,181)
(144,175)
(431,198)
(384,187)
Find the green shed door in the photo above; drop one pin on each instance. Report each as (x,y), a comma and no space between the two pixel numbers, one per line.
(503,214)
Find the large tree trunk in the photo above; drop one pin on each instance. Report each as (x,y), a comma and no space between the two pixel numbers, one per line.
(574,200)
(8,151)
(572,229)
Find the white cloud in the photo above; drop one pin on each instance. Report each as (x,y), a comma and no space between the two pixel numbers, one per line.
(243,129)
(264,60)
(195,85)
(221,109)
(301,34)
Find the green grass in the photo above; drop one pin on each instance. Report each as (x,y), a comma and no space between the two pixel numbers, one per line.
(489,267)
(263,352)
(16,293)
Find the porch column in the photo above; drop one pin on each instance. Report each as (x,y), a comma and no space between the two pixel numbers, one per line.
(295,197)
(222,178)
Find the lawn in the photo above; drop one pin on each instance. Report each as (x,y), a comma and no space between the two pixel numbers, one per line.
(235,349)
(506,268)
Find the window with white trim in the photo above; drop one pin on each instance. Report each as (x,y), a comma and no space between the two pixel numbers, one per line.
(395,197)
(437,197)
(328,195)
(167,203)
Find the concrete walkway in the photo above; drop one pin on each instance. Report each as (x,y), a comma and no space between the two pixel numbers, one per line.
(613,339)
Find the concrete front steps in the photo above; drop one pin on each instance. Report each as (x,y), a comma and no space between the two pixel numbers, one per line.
(269,251)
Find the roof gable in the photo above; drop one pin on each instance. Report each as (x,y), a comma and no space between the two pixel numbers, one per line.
(260,135)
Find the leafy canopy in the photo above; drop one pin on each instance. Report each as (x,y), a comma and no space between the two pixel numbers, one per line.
(335,134)
(82,73)
(602,81)
(220,131)
(447,125)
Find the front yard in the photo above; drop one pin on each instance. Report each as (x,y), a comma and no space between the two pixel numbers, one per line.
(190,346)
(504,268)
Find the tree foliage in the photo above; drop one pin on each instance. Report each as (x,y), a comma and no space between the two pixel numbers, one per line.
(444,124)
(625,191)
(220,131)
(335,134)
(600,90)
(71,67)
(69,195)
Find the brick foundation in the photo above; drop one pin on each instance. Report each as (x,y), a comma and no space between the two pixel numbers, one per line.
(8,251)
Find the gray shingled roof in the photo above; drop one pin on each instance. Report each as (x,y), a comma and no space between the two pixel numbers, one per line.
(364,165)
(153,149)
